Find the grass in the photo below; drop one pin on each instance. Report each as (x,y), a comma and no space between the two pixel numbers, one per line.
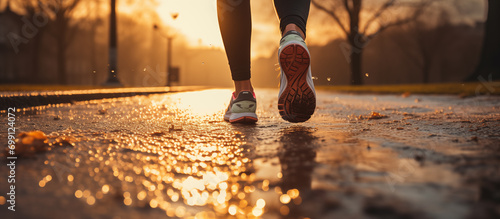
(28,87)
(462,89)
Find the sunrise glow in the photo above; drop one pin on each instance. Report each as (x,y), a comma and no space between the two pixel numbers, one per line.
(197,20)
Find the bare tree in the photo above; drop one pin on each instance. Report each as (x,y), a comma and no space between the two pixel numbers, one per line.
(31,9)
(489,64)
(358,34)
(93,20)
(59,12)
(53,16)
(63,32)
(427,40)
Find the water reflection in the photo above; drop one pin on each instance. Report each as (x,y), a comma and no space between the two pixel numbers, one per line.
(296,155)
(177,158)
(282,180)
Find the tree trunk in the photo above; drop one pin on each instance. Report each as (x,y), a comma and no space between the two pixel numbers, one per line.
(426,56)
(60,50)
(356,72)
(93,28)
(35,77)
(93,62)
(357,41)
(113,51)
(61,63)
(489,64)
(426,72)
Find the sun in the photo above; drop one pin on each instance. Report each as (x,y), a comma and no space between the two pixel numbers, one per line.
(196,19)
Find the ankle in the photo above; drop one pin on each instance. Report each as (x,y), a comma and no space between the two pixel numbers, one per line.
(294,27)
(240,86)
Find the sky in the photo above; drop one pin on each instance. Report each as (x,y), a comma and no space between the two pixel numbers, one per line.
(197,20)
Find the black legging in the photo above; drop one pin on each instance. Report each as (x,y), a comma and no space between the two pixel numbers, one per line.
(235,24)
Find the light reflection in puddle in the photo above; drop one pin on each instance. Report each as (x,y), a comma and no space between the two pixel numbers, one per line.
(171,158)
(202,103)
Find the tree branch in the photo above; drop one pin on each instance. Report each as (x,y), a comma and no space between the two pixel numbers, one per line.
(332,14)
(380,11)
(347,8)
(419,10)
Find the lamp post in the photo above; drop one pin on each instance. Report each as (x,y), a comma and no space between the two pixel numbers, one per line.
(113,52)
(169,38)
(169,58)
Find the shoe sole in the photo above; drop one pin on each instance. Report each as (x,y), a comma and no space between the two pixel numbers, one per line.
(248,118)
(297,102)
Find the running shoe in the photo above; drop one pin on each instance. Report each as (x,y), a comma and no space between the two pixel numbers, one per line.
(297,97)
(242,108)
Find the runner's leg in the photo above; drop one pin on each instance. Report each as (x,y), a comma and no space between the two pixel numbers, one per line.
(293,15)
(236,28)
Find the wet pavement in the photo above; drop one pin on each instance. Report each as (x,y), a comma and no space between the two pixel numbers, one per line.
(172,155)
(30,99)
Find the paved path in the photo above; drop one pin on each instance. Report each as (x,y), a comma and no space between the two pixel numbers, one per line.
(360,156)
(28,99)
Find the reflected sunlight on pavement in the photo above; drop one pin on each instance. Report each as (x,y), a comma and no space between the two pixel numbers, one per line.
(174,155)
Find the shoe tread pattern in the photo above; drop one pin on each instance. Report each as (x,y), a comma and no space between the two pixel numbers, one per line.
(297,102)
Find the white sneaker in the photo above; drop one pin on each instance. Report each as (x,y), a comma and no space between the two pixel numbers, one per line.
(242,108)
(297,97)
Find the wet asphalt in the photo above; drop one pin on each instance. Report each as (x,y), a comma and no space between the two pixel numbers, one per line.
(172,155)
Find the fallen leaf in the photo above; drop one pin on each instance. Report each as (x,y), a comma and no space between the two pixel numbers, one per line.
(29,143)
(373,115)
